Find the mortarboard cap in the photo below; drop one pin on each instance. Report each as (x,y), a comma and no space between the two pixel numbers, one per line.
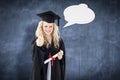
(49,17)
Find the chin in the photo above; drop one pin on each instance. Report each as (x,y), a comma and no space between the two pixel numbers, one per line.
(48,34)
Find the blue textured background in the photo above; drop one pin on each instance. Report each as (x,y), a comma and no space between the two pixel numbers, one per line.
(92,50)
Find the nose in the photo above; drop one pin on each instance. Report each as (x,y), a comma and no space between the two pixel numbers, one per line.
(48,28)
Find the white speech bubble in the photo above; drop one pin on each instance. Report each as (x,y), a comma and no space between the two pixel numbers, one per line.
(78,14)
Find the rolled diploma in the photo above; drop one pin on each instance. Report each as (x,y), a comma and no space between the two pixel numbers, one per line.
(49,59)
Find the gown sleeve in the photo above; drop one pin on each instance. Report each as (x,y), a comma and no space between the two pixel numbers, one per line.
(38,61)
(62,61)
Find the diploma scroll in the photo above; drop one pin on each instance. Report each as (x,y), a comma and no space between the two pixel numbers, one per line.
(49,59)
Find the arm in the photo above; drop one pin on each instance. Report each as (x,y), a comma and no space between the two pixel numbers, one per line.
(62,61)
(38,59)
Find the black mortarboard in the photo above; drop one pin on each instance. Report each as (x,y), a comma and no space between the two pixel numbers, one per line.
(49,17)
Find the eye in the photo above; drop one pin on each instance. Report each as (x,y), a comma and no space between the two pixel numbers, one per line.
(50,26)
(45,26)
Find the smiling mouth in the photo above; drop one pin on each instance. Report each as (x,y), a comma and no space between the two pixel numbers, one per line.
(48,31)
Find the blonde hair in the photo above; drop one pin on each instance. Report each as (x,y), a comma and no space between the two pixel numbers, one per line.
(55,34)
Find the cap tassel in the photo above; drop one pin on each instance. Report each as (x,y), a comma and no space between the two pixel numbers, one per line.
(58,21)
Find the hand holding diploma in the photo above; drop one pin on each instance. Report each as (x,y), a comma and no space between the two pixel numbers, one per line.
(59,55)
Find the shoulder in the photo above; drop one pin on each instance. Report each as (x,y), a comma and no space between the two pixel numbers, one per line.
(61,41)
(38,48)
(33,41)
(34,44)
(61,45)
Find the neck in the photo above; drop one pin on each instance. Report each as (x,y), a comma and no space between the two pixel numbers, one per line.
(49,38)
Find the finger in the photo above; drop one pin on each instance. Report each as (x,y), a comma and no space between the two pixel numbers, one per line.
(59,55)
(61,51)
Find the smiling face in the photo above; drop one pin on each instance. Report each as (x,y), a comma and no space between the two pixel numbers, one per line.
(47,28)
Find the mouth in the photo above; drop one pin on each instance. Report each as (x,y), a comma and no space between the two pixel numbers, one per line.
(48,31)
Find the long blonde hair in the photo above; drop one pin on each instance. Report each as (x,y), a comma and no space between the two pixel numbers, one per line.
(55,34)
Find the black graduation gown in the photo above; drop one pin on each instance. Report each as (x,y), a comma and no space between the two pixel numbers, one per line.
(39,69)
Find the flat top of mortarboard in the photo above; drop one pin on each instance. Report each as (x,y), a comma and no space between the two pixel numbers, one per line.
(49,16)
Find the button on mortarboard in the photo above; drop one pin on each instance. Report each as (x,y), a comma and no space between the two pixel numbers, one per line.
(49,17)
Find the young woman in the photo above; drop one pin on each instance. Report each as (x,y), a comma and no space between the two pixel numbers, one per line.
(46,44)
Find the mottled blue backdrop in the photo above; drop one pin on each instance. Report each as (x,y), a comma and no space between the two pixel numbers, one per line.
(92,50)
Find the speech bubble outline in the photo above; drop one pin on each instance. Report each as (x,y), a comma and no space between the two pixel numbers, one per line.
(78,14)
